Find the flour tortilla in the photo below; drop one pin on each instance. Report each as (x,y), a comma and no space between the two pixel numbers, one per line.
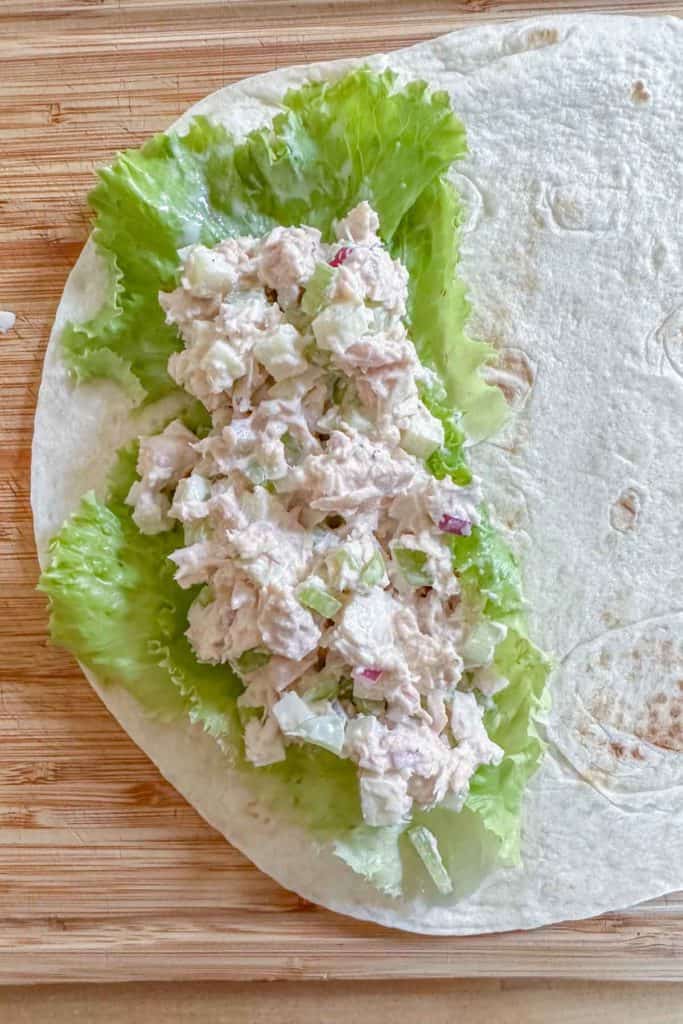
(572,256)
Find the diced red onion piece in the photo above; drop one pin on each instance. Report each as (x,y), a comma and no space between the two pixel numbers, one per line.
(372,674)
(340,256)
(452,524)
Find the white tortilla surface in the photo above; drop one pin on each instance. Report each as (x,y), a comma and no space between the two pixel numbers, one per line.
(572,255)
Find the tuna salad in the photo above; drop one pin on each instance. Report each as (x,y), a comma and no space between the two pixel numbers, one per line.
(320,539)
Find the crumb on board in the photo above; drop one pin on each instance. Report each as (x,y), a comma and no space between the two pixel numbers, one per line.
(7,321)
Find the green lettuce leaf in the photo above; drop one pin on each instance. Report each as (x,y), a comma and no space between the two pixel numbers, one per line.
(374,853)
(113,599)
(449,460)
(496,791)
(489,573)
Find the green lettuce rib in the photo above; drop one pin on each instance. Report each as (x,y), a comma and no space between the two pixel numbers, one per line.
(426,242)
(112,596)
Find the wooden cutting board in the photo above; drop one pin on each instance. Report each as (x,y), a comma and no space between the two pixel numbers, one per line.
(105,872)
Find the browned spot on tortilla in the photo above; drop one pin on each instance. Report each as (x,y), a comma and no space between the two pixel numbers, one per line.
(514,375)
(567,211)
(668,742)
(496,338)
(639,92)
(660,723)
(624,513)
(605,659)
(539,37)
(494,328)
(600,708)
(528,275)
(667,653)
(518,440)
(253,809)
(513,520)
(623,753)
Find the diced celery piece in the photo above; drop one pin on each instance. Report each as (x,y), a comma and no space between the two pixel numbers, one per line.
(357,421)
(338,560)
(369,707)
(345,688)
(320,358)
(428,851)
(423,435)
(317,290)
(293,450)
(323,689)
(412,564)
(339,389)
(208,271)
(319,600)
(255,657)
(296,718)
(326,731)
(222,365)
(256,473)
(340,325)
(481,643)
(192,488)
(373,570)
(281,351)
(290,711)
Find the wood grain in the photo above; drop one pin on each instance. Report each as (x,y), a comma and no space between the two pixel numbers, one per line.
(105,872)
(477,1002)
